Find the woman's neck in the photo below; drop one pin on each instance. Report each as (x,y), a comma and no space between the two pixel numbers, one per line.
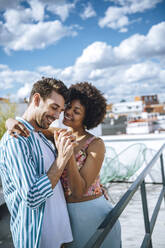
(79,133)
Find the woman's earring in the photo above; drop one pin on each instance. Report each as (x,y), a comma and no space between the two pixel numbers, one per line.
(85,127)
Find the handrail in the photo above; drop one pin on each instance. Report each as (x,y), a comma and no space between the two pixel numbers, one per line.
(98,237)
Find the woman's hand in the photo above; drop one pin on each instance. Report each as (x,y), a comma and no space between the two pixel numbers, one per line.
(64,134)
(16,128)
(65,143)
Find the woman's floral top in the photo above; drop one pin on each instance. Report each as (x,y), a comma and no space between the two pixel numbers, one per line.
(81,156)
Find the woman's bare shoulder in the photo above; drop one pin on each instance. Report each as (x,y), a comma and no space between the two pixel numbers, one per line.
(97,145)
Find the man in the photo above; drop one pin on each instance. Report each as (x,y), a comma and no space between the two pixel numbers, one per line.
(30,169)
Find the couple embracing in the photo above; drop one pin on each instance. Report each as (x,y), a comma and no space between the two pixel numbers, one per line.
(50,176)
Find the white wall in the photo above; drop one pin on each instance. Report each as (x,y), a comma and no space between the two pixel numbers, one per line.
(120,142)
(152,142)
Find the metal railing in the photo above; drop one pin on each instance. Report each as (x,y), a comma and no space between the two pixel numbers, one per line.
(98,237)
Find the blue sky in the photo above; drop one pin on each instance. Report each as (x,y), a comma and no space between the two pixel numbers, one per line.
(117,45)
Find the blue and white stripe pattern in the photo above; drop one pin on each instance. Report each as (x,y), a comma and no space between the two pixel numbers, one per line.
(25,185)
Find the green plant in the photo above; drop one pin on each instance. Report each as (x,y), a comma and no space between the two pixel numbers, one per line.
(7,110)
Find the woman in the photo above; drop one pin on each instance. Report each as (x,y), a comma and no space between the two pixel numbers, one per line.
(86,204)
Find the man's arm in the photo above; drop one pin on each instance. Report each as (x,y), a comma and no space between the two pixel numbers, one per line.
(33,190)
(22,171)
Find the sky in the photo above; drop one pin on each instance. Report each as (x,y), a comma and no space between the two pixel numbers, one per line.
(117,45)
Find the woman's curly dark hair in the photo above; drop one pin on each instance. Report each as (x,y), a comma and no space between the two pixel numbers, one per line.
(93,101)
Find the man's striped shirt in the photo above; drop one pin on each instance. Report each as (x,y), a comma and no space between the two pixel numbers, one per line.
(25,185)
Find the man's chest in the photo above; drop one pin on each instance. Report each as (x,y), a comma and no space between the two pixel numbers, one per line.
(43,153)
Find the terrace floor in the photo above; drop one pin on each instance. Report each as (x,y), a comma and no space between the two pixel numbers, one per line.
(131,219)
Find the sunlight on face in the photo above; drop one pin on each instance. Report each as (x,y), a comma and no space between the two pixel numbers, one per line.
(50,109)
(74,114)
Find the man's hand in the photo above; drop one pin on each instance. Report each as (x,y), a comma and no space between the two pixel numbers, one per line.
(65,142)
(58,134)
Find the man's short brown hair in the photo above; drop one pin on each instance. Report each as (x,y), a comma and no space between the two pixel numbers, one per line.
(46,86)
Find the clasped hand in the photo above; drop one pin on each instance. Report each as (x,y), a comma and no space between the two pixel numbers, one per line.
(65,142)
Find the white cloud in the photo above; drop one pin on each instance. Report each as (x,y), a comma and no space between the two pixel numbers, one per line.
(132,68)
(67,74)
(141,5)
(24,91)
(49,71)
(117,17)
(137,4)
(140,46)
(88,12)
(60,8)
(37,10)
(9,77)
(3,67)
(155,38)
(142,71)
(33,31)
(98,54)
(36,36)
(135,67)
